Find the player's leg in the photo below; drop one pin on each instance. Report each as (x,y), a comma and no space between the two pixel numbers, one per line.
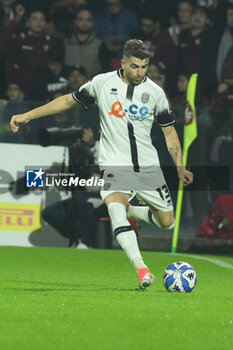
(158,211)
(154,192)
(116,203)
(163,219)
(152,216)
(125,235)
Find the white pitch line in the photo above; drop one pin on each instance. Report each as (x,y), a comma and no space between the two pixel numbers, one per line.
(213,261)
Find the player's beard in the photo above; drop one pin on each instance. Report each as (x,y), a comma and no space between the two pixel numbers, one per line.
(132,79)
(135,80)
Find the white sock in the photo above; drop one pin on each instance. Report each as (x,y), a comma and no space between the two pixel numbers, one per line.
(125,236)
(138,263)
(145,214)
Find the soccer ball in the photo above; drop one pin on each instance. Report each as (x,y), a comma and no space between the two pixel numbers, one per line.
(180,277)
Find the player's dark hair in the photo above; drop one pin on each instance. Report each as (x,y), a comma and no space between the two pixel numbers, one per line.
(136,48)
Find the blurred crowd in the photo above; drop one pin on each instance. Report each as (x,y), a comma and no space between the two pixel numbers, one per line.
(40,42)
(52,47)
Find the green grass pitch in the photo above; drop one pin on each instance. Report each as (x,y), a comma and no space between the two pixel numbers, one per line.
(80,300)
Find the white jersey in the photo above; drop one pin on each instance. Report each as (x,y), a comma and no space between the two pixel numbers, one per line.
(126,116)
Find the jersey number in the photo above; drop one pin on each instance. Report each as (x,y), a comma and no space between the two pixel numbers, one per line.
(164,193)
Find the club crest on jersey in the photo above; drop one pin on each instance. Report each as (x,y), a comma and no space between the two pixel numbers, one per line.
(145,97)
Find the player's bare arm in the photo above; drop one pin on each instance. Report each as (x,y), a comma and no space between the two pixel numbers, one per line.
(174,148)
(58,105)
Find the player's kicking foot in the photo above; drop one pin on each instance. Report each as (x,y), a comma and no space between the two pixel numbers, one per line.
(145,278)
(133,223)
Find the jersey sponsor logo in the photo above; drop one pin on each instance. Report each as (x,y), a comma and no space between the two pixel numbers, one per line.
(134,109)
(134,112)
(117,110)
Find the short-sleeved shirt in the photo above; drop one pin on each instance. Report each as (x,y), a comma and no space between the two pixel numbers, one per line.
(126,116)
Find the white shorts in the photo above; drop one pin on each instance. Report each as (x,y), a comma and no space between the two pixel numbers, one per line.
(148,185)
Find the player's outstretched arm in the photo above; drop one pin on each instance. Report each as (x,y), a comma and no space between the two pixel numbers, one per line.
(174,148)
(58,105)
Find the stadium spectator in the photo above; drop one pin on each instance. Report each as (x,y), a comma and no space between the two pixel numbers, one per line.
(83,48)
(14,92)
(114,25)
(63,14)
(71,6)
(178,103)
(222,103)
(208,79)
(190,42)
(221,131)
(166,8)
(11,15)
(39,5)
(13,103)
(27,52)
(51,78)
(208,3)
(7,12)
(44,7)
(183,21)
(182,83)
(156,74)
(76,77)
(212,6)
(226,43)
(10,20)
(160,45)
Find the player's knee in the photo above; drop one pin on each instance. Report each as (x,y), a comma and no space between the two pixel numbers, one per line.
(168,223)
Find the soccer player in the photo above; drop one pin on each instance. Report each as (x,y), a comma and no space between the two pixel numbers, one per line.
(128,102)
